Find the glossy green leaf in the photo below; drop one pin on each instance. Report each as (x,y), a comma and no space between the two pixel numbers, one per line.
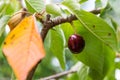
(112,18)
(97,33)
(95,25)
(3,22)
(71,4)
(53,9)
(57,46)
(107,57)
(83,73)
(96,54)
(67,29)
(35,5)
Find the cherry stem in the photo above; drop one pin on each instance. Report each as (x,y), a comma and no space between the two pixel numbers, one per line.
(74,28)
(58,75)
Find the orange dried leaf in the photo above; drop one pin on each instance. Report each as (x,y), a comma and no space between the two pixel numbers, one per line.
(23,48)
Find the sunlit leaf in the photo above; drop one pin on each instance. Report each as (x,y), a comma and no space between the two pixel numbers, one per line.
(12,6)
(67,29)
(57,46)
(95,25)
(112,17)
(23,48)
(96,54)
(35,5)
(53,9)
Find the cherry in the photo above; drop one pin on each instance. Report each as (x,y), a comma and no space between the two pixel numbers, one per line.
(76,43)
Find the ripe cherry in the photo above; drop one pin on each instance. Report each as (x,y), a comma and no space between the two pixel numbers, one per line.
(76,43)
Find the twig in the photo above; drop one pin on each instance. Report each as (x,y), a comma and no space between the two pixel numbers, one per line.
(50,23)
(58,75)
(47,25)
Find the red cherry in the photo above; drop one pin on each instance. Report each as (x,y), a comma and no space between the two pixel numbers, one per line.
(76,43)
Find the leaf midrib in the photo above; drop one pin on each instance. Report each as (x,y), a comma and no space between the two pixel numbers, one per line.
(86,26)
(31,5)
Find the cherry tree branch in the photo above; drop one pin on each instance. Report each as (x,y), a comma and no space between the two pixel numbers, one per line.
(58,75)
(50,23)
(47,25)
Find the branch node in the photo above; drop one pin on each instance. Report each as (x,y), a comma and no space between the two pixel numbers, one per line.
(50,23)
(48,17)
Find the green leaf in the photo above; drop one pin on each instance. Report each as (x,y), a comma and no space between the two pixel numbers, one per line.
(53,9)
(117,64)
(115,5)
(95,25)
(112,74)
(107,59)
(2,6)
(12,7)
(70,60)
(67,29)
(73,4)
(35,5)
(3,22)
(83,73)
(109,15)
(57,46)
(96,54)
(98,4)
(96,33)
(9,7)
(2,37)
(82,1)
(73,76)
